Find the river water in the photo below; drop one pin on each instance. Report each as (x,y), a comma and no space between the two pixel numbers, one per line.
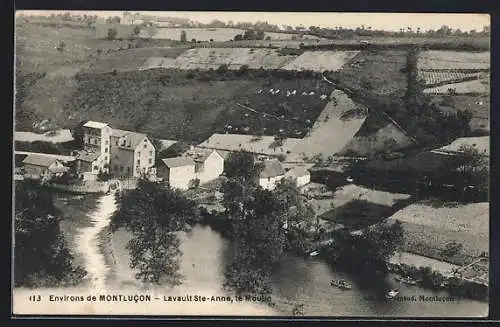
(297,280)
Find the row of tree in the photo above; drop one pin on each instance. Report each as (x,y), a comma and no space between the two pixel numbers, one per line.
(41,254)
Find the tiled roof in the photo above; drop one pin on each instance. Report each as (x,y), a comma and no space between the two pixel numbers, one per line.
(39,160)
(272,168)
(132,138)
(199,154)
(95,124)
(88,156)
(118,132)
(178,162)
(250,143)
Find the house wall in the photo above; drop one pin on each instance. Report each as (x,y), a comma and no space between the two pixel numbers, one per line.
(270,183)
(92,138)
(303,180)
(98,140)
(179,177)
(144,157)
(35,170)
(105,159)
(211,169)
(122,162)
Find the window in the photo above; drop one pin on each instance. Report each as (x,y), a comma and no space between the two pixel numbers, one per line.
(116,167)
(128,170)
(138,153)
(138,161)
(106,158)
(121,168)
(106,149)
(116,142)
(96,168)
(95,141)
(150,153)
(145,145)
(150,161)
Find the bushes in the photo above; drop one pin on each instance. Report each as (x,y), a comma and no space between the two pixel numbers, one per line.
(112,32)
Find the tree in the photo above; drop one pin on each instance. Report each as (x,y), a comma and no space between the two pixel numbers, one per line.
(299,218)
(41,255)
(61,46)
(259,242)
(183,36)
(154,214)
(222,69)
(367,252)
(473,169)
(136,31)
(241,165)
(112,32)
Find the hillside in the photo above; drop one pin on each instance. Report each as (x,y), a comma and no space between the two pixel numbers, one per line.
(172,104)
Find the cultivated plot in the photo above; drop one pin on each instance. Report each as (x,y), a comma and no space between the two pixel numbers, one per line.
(480,86)
(234,58)
(199,34)
(446,76)
(435,59)
(321,60)
(335,127)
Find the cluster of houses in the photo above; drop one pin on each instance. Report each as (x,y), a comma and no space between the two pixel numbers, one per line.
(125,154)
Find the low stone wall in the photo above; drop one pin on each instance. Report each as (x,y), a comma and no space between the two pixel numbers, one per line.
(93,187)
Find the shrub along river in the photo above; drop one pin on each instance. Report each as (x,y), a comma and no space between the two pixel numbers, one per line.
(297,280)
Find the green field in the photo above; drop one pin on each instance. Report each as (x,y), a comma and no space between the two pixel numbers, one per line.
(166,104)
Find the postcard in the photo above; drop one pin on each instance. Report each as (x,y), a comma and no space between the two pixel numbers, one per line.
(251,164)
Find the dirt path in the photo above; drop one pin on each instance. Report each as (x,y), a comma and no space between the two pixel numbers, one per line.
(88,241)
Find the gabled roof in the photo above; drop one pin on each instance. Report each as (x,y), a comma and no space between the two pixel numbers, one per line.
(118,132)
(88,156)
(298,171)
(199,154)
(250,143)
(95,124)
(178,162)
(272,168)
(132,138)
(39,160)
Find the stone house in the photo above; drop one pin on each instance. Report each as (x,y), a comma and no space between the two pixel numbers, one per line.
(178,172)
(96,139)
(300,175)
(39,166)
(209,164)
(132,154)
(271,174)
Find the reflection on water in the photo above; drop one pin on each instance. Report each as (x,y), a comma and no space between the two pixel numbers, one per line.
(297,280)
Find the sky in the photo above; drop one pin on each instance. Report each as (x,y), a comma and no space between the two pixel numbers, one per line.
(384,21)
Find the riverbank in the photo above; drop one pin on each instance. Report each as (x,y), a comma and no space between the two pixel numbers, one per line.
(434,280)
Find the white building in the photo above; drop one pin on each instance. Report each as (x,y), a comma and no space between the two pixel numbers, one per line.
(209,164)
(271,174)
(132,154)
(300,175)
(178,172)
(96,139)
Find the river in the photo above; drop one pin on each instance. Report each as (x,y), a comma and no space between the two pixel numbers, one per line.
(297,280)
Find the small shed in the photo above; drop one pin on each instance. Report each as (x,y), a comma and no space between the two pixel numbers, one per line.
(300,175)
(178,172)
(36,165)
